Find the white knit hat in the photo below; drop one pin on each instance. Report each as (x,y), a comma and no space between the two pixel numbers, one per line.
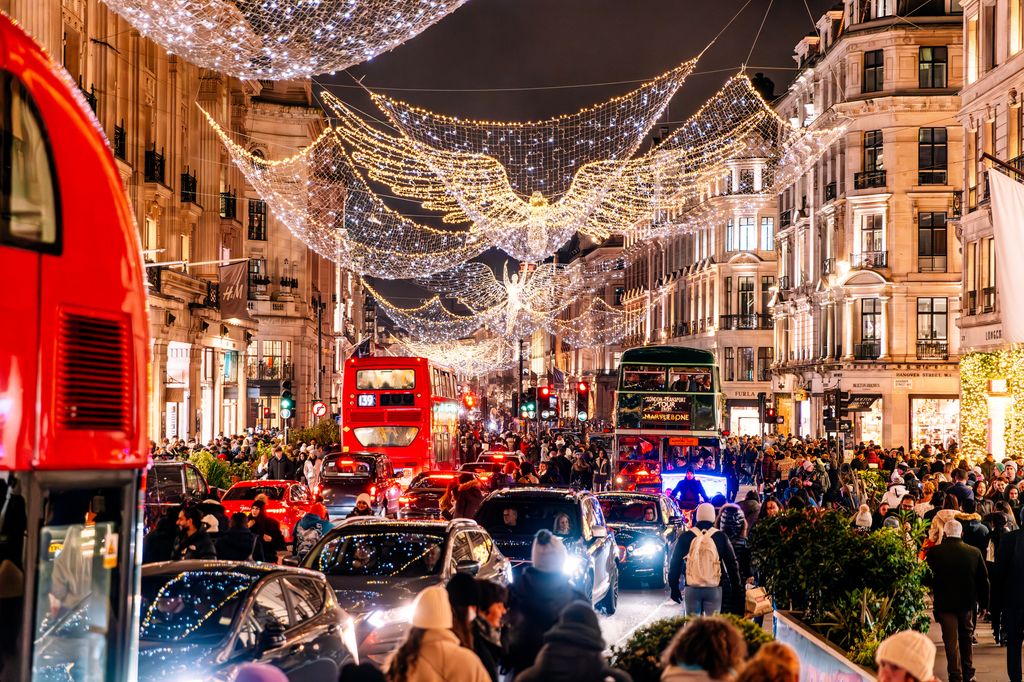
(363,497)
(910,650)
(863,518)
(548,553)
(431,610)
(706,512)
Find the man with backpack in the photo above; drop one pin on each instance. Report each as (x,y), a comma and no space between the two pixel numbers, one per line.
(709,562)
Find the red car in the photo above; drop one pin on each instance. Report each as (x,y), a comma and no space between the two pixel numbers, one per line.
(287,502)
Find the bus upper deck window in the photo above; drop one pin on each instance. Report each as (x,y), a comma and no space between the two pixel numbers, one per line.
(29,210)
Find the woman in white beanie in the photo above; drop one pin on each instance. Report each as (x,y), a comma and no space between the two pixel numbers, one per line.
(863,519)
(907,656)
(431,652)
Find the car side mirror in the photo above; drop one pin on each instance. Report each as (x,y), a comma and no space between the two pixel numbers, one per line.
(599,531)
(290,560)
(468,566)
(271,637)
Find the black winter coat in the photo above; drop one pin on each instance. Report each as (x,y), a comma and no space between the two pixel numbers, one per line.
(1009,568)
(534,603)
(199,545)
(571,654)
(239,545)
(160,542)
(280,469)
(975,532)
(959,579)
(726,555)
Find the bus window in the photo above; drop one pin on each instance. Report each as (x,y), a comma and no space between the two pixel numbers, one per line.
(643,378)
(386,379)
(29,207)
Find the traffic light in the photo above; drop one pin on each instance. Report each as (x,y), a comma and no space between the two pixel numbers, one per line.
(545,391)
(770,415)
(582,391)
(762,403)
(469,400)
(287,400)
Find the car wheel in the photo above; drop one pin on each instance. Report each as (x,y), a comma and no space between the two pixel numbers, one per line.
(611,597)
(588,588)
(658,581)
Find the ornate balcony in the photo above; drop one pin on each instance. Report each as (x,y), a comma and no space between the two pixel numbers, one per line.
(932,350)
(154,165)
(830,191)
(742,322)
(869,179)
(871,260)
(868,350)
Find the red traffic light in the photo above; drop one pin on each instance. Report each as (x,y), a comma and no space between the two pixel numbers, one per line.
(770,413)
(582,387)
(469,400)
(545,391)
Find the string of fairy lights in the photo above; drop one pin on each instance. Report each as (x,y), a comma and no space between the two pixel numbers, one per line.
(281,39)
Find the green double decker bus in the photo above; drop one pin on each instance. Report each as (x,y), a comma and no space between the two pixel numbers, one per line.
(668,412)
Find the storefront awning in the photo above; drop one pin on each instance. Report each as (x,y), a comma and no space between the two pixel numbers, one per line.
(861,403)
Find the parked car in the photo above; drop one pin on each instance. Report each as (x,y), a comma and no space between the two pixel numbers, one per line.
(483,470)
(203,619)
(378,566)
(514,515)
(421,499)
(287,502)
(170,483)
(646,527)
(345,476)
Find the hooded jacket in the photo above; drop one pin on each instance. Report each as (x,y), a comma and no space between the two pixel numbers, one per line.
(573,651)
(468,499)
(534,604)
(442,659)
(975,532)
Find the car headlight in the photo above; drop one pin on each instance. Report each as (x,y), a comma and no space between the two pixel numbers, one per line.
(400,614)
(644,549)
(572,565)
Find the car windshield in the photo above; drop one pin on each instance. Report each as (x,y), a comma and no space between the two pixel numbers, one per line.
(625,510)
(480,467)
(191,606)
(381,553)
(526,516)
(348,467)
(250,492)
(432,481)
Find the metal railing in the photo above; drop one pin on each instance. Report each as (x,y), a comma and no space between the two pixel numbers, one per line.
(785,219)
(154,165)
(89,95)
(263,371)
(971,302)
(988,299)
(228,204)
(830,191)
(869,179)
(871,259)
(828,266)
(784,283)
(120,141)
(747,321)
(868,350)
(189,188)
(932,350)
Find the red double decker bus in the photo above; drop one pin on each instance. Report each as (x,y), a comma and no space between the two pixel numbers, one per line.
(404,407)
(73,364)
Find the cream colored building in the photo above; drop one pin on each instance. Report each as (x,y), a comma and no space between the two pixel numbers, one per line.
(209,375)
(993,124)
(869,270)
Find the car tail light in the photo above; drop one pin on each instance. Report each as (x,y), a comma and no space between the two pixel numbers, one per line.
(373,491)
(406,499)
(622,552)
(276,510)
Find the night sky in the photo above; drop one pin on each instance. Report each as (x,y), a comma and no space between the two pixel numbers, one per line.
(494,44)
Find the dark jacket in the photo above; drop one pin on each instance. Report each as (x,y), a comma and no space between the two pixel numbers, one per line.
(280,469)
(975,532)
(573,651)
(239,544)
(468,499)
(959,579)
(1009,568)
(534,603)
(160,542)
(199,545)
(564,466)
(264,525)
(961,492)
(751,510)
(488,647)
(726,555)
(689,493)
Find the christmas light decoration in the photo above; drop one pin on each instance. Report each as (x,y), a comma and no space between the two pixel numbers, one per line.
(469,357)
(527,187)
(280,39)
(599,325)
(321,198)
(976,370)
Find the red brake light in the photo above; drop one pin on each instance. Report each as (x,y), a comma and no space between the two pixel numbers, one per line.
(499,456)
(406,499)
(446,477)
(373,490)
(346,461)
(642,472)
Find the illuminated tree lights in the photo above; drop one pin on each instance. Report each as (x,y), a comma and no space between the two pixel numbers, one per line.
(280,39)
(976,370)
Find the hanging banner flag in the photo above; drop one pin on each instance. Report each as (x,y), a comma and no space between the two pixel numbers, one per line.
(234,291)
(1008,226)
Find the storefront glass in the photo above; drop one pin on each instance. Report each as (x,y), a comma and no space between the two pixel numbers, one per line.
(744,421)
(870,427)
(934,421)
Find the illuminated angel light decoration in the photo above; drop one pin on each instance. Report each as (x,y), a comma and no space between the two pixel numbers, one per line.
(320,197)
(524,193)
(280,39)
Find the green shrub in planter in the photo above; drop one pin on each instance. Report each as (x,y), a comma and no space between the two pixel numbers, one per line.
(640,656)
(215,471)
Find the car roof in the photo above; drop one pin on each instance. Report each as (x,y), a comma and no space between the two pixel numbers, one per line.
(264,483)
(425,525)
(553,493)
(628,494)
(256,569)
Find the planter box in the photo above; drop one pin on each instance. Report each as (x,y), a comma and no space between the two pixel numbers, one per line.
(820,660)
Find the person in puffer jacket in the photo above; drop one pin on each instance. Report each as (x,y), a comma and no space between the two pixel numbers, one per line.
(573,650)
(468,497)
(308,532)
(536,599)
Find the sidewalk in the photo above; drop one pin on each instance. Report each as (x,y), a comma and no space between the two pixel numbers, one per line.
(989,657)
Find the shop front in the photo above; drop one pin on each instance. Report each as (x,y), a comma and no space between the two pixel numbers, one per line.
(934,420)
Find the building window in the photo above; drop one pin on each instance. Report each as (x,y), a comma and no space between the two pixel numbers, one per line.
(767,234)
(872,234)
(730,364)
(972,48)
(932,319)
(767,282)
(746,372)
(747,234)
(619,293)
(931,156)
(746,295)
(764,363)
(873,159)
(730,235)
(874,71)
(257,220)
(870,319)
(931,241)
(728,295)
(931,67)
